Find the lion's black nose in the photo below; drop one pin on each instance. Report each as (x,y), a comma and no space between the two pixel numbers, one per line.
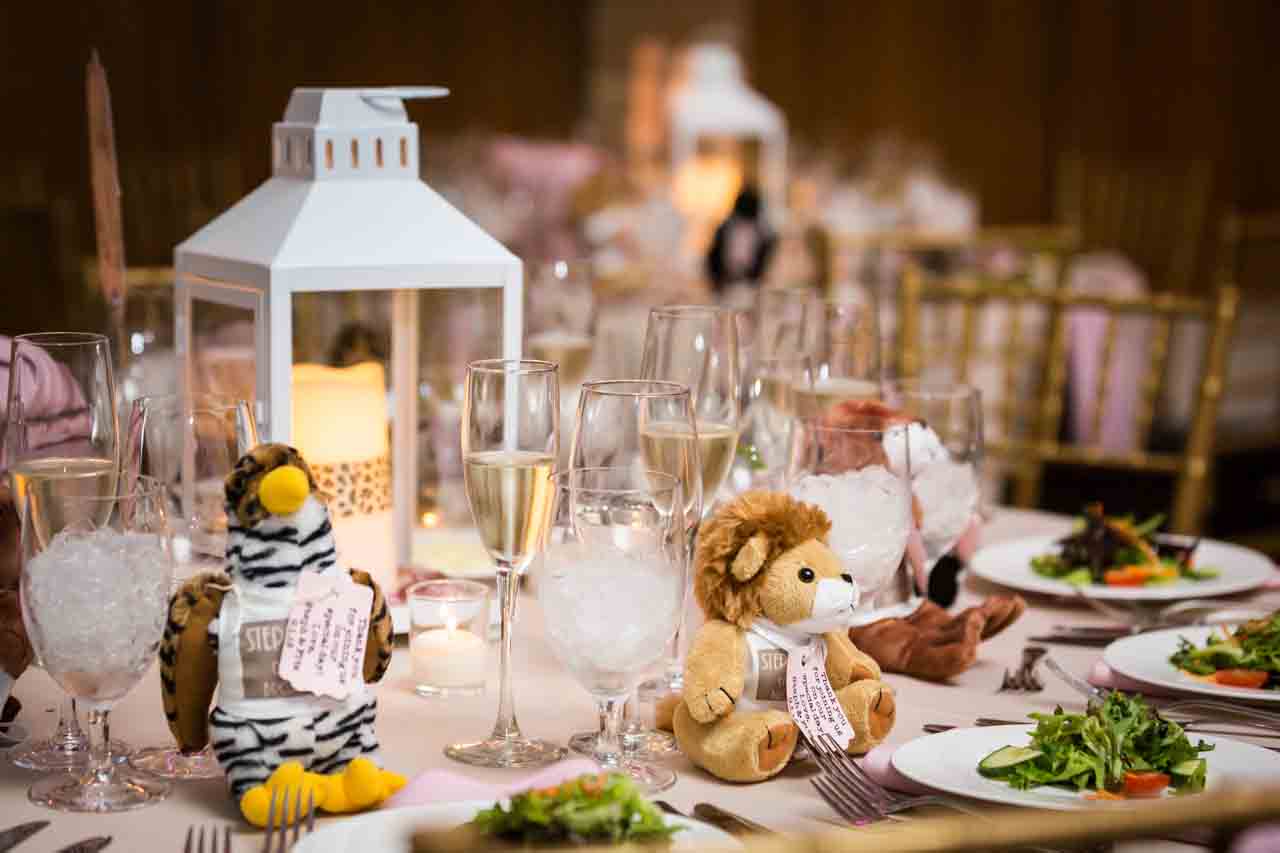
(847,578)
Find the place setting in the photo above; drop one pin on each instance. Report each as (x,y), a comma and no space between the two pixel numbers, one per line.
(677,484)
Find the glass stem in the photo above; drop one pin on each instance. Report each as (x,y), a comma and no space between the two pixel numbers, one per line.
(675,667)
(101,767)
(68,736)
(609,740)
(506,728)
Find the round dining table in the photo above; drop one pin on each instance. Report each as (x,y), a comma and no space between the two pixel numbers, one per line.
(414,730)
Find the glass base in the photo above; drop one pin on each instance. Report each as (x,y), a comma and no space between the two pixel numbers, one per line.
(430,691)
(49,756)
(125,791)
(649,778)
(506,752)
(169,762)
(646,743)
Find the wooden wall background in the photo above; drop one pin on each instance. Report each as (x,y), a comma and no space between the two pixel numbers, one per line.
(1004,88)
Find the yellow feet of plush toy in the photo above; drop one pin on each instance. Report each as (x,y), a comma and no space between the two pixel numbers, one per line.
(360,786)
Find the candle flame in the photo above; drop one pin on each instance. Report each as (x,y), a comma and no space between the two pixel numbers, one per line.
(450,624)
(430,519)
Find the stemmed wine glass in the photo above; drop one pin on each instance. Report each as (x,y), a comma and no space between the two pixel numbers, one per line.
(769,416)
(95,587)
(61,439)
(945,442)
(782,315)
(696,346)
(510,440)
(189,445)
(844,342)
(612,591)
(561,317)
(625,423)
(844,467)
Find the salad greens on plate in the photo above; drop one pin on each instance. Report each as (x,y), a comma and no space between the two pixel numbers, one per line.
(1119,748)
(1118,551)
(1249,656)
(593,808)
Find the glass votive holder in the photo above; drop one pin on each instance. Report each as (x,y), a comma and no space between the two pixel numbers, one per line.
(448,640)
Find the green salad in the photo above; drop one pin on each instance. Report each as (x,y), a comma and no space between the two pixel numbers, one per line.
(1248,656)
(1119,551)
(594,808)
(1119,748)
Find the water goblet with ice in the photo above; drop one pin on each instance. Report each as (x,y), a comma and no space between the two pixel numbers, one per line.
(94,598)
(611,584)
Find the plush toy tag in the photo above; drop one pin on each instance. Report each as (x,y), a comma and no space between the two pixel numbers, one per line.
(325,638)
(811,700)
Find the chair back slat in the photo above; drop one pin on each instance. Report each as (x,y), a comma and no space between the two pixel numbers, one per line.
(1026,447)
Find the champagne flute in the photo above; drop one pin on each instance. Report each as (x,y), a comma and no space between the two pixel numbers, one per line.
(61,439)
(612,430)
(94,597)
(561,318)
(769,416)
(697,346)
(612,587)
(189,445)
(510,440)
(782,316)
(944,440)
(844,342)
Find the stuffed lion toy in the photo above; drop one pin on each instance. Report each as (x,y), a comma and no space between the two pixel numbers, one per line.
(769,584)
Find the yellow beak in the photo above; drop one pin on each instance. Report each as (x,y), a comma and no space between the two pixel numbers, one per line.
(284,490)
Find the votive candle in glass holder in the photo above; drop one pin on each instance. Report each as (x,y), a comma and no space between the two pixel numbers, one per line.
(449,637)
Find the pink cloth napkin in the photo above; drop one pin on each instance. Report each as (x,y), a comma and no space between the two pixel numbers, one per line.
(879,766)
(446,786)
(1108,679)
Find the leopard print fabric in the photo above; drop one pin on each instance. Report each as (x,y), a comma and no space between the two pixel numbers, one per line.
(355,488)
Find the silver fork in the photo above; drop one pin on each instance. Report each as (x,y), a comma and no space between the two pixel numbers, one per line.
(857,797)
(1024,678)
(195,841)
(278,828)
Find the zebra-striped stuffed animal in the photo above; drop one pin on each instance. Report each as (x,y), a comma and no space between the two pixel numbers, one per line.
(226,631)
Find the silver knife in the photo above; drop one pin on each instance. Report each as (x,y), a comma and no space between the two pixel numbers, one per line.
(89,845)
(728,821)
(11,838)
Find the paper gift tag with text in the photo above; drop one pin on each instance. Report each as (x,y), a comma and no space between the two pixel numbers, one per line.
(811,700)
(325,639)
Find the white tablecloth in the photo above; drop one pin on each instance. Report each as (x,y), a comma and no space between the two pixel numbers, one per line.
(550,704)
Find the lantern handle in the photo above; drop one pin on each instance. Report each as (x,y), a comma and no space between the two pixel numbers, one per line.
(401,93)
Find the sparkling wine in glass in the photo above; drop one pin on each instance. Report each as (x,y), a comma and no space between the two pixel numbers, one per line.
(95,599)
(844,343)
(561,317)
(944,440)
(696,346)
(61,441)
(612,593)
(189,445)
(611,427)
(510,435)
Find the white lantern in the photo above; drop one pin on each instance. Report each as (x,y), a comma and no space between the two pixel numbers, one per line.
(713,105)
(344,210)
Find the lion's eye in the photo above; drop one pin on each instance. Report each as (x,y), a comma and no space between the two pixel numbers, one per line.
(806,574)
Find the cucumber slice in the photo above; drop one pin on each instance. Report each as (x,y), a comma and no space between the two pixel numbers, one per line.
(1006,757)
(1187,768)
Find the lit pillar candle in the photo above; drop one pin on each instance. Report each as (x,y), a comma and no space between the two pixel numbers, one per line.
(448,657)
(340,426)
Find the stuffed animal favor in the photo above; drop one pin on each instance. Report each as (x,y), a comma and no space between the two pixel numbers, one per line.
(294,791)
(769,585)
(227,631)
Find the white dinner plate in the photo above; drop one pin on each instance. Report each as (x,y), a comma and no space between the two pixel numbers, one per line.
(1145,658)
(391,831)
(1009,564)
(948,762)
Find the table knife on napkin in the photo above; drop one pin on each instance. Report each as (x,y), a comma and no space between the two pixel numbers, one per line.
(89,845)
(12,837)
(728,821)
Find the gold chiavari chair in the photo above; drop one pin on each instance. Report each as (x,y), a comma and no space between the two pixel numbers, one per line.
(1027,439)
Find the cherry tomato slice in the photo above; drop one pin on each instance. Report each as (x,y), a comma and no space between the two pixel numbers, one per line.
(1144,784)
(1241,677)
(1128,576)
